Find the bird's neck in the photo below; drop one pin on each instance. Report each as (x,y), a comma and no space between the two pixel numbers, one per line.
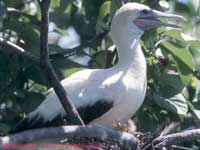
(130,54)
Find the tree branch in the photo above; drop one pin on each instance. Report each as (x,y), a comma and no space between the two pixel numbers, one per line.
(26,55)
(170,129)
(176,138)
(70,132)
(18,50)
(50,72)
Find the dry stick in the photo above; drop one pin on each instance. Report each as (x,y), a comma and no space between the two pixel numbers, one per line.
(70,132)
(45,64)
(170,129)
(176,138)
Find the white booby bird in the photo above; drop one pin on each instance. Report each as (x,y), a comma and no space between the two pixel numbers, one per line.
(103,96)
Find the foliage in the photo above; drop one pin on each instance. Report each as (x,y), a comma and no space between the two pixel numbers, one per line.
(172,58)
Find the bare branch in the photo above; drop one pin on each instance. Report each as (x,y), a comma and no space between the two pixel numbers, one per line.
(176,138)
(170,129)
(46,65)
(18,50)
(70,132)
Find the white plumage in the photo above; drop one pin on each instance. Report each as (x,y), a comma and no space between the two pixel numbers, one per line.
(123,85)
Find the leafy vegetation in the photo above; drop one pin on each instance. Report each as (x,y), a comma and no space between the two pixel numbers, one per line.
(172,56)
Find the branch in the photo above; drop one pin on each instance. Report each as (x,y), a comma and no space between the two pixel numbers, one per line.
(70,132)
(26,55)
(46,65)
(18,50)
(176,138)
(170,129)
(86,44)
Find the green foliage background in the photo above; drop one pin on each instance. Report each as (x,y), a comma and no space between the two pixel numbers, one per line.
(173,77)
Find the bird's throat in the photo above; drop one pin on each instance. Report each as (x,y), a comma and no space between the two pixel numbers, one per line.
(130,54)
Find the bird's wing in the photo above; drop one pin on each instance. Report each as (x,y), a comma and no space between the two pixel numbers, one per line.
(82,88)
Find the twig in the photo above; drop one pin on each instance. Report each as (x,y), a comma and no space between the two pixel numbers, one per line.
(71,51)
(176,138)
(46,65)
(70,131)
(196,20)
(170,129)
(18,50)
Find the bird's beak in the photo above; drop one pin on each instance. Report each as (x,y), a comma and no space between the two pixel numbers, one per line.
(149,19)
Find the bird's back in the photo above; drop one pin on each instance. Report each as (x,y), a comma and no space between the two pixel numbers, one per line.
(92,91)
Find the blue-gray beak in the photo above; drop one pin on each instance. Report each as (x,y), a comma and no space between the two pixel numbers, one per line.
(148,19)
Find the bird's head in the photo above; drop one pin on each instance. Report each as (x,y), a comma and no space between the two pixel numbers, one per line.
(135,18)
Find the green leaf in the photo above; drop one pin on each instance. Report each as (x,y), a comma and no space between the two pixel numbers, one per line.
(184,72)
(194,43)
(183,59)
(65,67)
(167,88)
(35,73)
(184,38)
(15,15)
(175,34)
(196,56)
(29,33)
(31,101)
(104,10)
(56,50)
(176,104)
(100,59)
(195,108)
(171,96)
(55,4)
(4,128)
(102,19)
(61,31)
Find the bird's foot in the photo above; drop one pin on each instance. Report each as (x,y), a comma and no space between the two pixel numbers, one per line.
(117,125)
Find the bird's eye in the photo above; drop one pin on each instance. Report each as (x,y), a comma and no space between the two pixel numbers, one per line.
(145,11)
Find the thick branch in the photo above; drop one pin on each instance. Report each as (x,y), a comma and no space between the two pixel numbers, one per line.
(176,138)
(45,64)
(18,50)
(70,131)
